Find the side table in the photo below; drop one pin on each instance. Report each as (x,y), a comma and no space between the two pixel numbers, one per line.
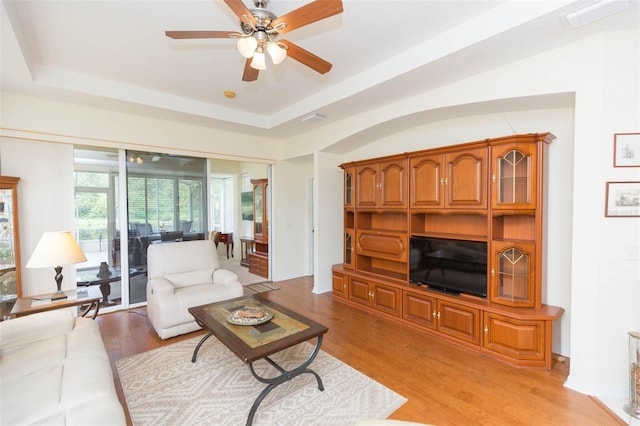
(88,300)
(227,239)
(246,245)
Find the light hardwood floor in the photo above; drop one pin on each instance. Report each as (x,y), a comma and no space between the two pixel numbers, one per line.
(445,384)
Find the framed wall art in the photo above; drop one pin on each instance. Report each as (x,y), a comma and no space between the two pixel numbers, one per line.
(623,199)
(626,150)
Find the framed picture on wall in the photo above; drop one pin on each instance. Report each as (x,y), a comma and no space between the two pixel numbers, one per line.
(623,199)
(626,150)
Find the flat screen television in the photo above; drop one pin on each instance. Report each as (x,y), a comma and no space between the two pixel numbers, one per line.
(448,265)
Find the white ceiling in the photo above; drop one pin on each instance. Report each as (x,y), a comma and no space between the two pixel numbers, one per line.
(114,54)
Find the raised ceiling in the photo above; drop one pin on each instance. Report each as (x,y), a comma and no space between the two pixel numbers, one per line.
(114,54)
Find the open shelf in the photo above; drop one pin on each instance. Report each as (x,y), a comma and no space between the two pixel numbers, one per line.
(382,267)
(383,221)
(349,219)
(471,226)
(514,228)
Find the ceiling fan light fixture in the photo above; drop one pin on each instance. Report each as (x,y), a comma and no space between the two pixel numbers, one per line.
(277,53)
(247,46)
(258,61)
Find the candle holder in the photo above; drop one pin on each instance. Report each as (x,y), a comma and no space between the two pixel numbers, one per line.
(633,407)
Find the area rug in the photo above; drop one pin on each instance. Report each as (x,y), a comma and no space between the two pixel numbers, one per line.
(259,288)
(163,387)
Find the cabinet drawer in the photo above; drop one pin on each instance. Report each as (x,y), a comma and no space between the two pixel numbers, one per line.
(381,244)
(258,265)
(258,260)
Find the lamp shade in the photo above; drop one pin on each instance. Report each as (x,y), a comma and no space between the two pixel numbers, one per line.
(258,61)
(56,249)
(276,52)
(246,46)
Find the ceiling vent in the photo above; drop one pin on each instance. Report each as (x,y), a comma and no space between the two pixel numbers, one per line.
(313,117)
(595,11)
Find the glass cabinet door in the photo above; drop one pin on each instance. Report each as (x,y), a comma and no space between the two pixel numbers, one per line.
(10,287)
(257,218)
(348,187)
(260,220)
(512,274)
(514,185)
(348,248)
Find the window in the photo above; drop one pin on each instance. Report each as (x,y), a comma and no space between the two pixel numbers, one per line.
(222,204)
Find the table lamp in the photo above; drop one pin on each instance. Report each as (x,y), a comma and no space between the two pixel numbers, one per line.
(55,250)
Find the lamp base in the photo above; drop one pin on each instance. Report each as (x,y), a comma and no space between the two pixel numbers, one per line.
(58,295)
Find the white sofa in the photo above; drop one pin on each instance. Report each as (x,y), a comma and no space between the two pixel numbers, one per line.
(54,370)
(182,275)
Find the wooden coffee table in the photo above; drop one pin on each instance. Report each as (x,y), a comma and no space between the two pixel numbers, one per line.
(255,342)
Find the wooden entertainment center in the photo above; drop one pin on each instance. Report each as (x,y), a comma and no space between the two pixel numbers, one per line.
(492,191)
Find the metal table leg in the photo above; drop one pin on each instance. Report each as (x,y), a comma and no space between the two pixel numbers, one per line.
(195,351)
(284,377)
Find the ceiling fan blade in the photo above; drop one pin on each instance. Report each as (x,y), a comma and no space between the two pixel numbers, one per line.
(309,13)
(307,58)
(201,34)
(250,74)
(238,7)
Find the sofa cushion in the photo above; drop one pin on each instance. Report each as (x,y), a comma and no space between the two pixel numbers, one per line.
(186,297)
(32,397)
(176,258)
(20,361)
(33,328)
(204,276)
(63,377)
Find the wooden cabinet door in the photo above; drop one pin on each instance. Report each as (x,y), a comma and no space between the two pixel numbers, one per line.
(518,339)
(339,284)
(465,181)
(514,176)
(260,218)
(386,299)
(393,184)
(349,252)
(426,181)
(367,192)
(419,308)
(358,290)
(513,281)
(461,322)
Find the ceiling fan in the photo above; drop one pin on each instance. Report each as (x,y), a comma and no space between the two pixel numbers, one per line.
(260,28)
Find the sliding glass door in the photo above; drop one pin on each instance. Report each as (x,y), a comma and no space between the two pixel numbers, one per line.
(96,178)
(166,203)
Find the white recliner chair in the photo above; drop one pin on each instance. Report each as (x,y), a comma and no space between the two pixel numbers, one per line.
(182,275)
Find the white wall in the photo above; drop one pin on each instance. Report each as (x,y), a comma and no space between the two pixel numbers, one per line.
(290,220)
(45,202)
(41,119)
(604,281)
(328,204)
